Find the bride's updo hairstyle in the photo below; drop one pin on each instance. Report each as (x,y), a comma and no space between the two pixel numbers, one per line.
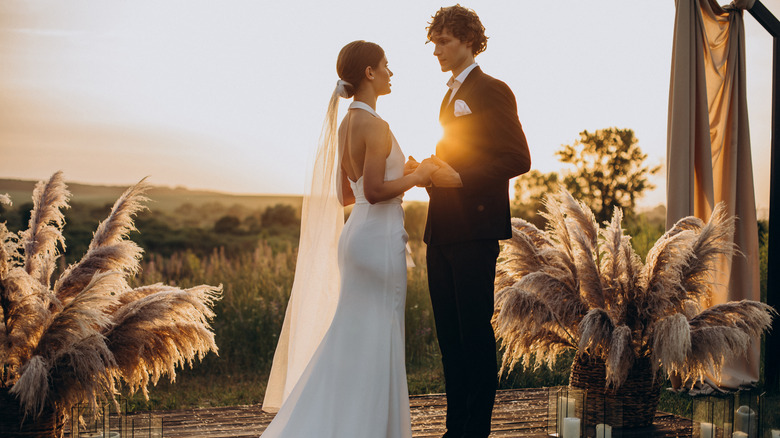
(352,62)
(326,174)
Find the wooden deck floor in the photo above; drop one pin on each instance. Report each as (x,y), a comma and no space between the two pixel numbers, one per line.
(518,413)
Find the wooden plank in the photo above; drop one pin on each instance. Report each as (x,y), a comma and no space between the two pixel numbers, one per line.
(517,413)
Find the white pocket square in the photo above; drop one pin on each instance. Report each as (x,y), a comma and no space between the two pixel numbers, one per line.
(461,109)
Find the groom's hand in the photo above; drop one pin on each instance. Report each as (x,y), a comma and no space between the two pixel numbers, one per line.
(446,176)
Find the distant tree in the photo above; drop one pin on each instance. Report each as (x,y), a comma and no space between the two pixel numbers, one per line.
(23,216)
(97,213)
(763,254)
(12,217)
(609,171)
(227,224)
(254,222)
(279,215)
(237,210)
(186,209)
(190,215)
(81,219)
(210,212)
(530,189)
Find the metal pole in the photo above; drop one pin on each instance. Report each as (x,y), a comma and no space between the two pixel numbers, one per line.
(772,346)
(765,18)
(772,355)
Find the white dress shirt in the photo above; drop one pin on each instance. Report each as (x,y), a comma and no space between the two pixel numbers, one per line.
(455,83)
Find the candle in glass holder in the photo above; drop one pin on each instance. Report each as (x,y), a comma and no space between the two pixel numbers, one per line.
(603,431)
(775,433)
(571,427)
(739,434)
(565,409)
(707,430)
(745,420)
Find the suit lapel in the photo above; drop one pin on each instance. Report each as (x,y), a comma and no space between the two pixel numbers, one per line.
(467,85)
(444,102)
(447,110)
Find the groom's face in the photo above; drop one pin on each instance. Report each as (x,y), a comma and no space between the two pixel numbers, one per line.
(453,54)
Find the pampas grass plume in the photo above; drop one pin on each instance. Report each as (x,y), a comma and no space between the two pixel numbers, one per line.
(75,341)
(576,286)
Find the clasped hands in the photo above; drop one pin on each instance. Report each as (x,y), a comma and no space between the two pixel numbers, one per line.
(441,174)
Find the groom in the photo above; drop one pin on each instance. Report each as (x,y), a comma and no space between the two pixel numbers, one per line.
(483,147)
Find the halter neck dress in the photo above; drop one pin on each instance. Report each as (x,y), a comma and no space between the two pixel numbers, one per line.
(355,384)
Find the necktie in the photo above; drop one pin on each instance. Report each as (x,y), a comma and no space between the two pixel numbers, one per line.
(453,85)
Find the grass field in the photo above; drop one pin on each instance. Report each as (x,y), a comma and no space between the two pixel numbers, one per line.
(256,268)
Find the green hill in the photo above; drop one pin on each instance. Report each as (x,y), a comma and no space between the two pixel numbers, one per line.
(163,199)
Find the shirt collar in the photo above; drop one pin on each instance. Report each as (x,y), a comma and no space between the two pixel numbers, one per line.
(453,82)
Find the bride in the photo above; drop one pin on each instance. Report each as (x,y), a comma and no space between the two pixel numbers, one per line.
(341,373)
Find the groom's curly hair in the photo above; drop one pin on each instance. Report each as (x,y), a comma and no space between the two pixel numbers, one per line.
(462,23)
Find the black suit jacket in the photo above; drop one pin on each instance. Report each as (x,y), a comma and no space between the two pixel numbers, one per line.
(487,148)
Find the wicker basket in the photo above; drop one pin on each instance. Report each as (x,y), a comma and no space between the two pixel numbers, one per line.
(633,404)
(48,425)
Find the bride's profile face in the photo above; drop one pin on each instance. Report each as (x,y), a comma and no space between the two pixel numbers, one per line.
(382,75)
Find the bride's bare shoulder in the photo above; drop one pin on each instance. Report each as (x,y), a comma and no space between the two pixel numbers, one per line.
(364,124)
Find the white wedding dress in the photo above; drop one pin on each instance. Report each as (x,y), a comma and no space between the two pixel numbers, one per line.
(355,384)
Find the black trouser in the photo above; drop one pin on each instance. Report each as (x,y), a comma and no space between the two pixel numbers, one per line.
(460,279)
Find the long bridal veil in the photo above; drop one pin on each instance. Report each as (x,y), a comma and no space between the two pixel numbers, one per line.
(316,285)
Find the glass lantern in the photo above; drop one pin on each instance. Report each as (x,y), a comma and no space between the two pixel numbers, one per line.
(144,425)
(106,422)
(110,422)
(746,414)
(769,419)
(565,411)
(713,417)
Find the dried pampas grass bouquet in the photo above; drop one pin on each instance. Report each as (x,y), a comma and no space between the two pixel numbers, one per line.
(578,286)
(75,339)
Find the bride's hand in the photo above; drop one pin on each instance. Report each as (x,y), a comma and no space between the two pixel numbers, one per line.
(410,165)
(424,171)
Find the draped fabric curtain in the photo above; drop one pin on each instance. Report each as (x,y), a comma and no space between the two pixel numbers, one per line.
(708,152)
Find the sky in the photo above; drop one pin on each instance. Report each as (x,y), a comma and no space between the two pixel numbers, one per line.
(231,95)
